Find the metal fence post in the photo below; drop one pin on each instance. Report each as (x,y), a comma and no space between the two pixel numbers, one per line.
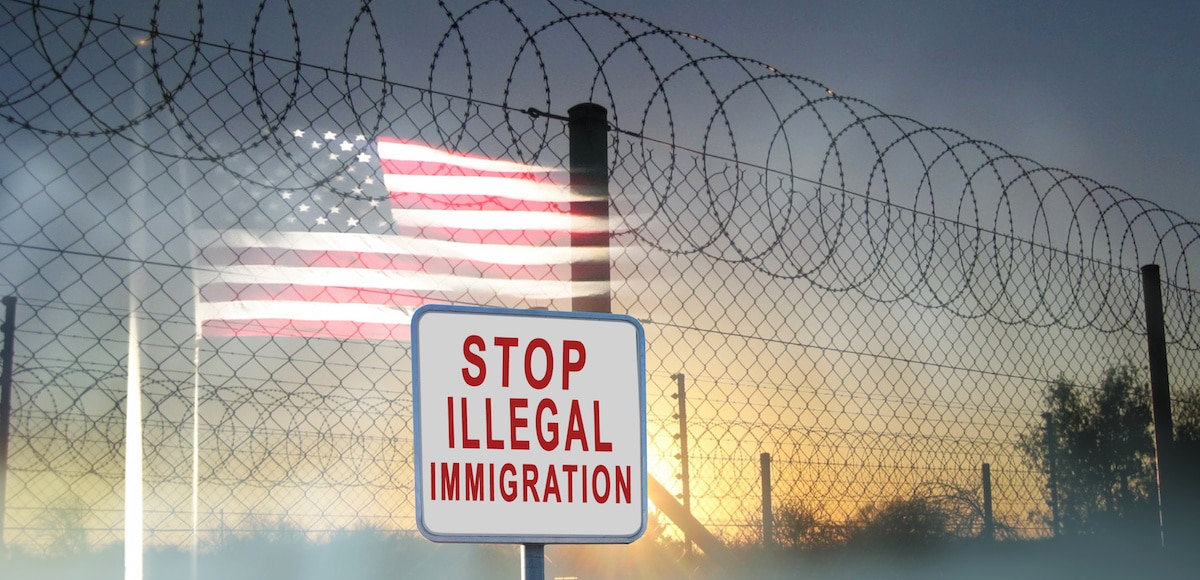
(768,518)
(588,131)
(1160,391)
(989,525)
(1052,464)
(587,126)
(6,375)
(686,496)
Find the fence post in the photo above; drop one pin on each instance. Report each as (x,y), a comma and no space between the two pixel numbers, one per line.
(1160,392)
(989,525)
(587,126)
(1052,464)
(588,132)
(684,477)
(6,375)
(768,517)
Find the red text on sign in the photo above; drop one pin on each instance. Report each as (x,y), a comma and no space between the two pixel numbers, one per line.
(552,432)
(538,360)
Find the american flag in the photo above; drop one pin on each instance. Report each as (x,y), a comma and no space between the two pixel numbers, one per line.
(396,225)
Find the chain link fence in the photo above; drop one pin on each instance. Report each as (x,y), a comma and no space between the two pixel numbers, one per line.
(879,304)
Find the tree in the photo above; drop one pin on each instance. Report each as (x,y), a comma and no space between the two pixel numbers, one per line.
(1186,411)
(1101,456)
(63,526)
(802,525)
(901,523)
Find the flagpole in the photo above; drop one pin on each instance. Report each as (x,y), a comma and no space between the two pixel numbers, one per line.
(134,486)
(133,450)
(196,338)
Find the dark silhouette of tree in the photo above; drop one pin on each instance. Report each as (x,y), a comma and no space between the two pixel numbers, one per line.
(1101,458)
(1186,411)
(801,525)
(901,522)
(63,526)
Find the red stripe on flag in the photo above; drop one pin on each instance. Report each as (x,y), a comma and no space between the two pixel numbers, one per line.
(408,167)
(468,202)
(531,238)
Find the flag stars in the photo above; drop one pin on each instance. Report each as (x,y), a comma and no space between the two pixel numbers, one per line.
(330,135)
(364,158)
(360,137)
(322,220)
(286,195)
(346,145)
(335,209)
(298,133)
(315,145)
(374,203)
(351,222)
(369,181)
(304,207)
(333,156)
(356,190)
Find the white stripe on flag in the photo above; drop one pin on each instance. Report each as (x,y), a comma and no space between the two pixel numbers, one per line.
(401,280)
(498,220)
(399,246)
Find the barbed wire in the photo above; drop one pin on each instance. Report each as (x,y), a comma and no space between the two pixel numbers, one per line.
(876,301)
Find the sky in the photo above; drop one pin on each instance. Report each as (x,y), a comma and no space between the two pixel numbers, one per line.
(1105,89)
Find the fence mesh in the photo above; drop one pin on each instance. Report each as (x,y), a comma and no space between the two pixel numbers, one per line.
(879,304)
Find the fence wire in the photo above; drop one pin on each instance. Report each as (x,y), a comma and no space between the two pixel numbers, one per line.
(879,304)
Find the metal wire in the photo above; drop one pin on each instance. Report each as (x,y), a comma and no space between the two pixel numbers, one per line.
(878,303)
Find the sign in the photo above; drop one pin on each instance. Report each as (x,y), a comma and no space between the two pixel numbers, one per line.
(530,425)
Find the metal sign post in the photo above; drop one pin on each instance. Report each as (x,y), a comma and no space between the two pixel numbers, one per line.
(533,562)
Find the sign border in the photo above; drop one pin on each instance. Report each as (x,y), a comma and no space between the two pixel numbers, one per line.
(418,489)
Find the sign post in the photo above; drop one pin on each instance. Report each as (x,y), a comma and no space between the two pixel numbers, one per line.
(530,426)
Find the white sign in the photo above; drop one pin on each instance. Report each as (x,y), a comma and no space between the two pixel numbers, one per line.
(530,425)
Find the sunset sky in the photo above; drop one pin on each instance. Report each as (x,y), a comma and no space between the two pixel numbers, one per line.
(904,344)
